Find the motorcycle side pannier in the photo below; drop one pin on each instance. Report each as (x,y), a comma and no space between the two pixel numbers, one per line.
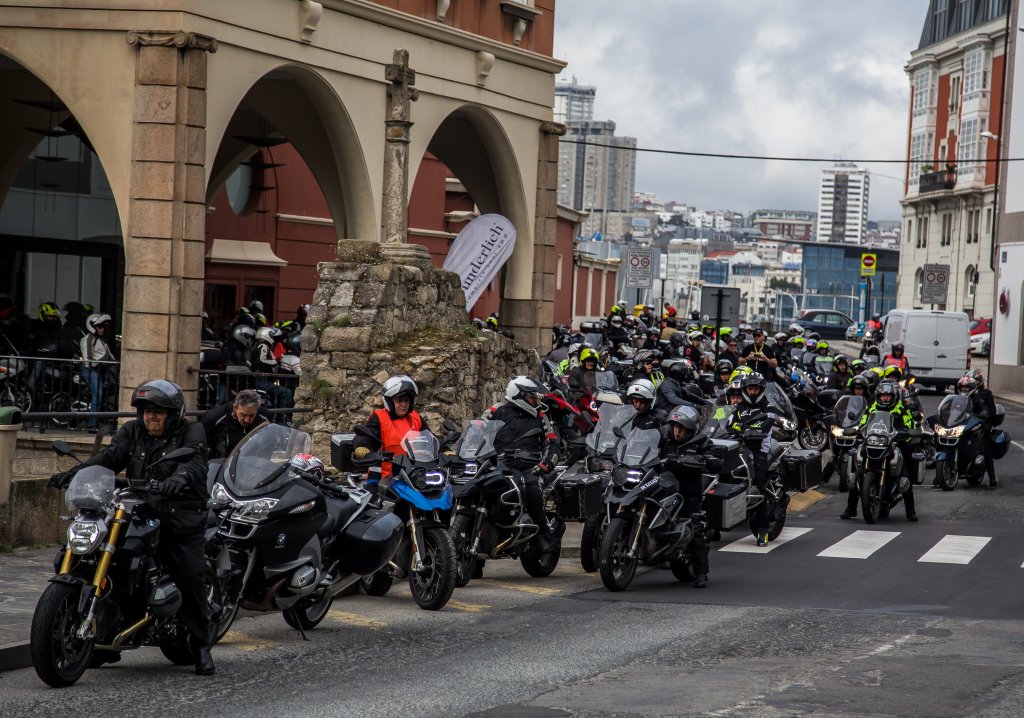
(579,496)
(341,452)
(803,469)
(726,505)
(1000,444)
(369,542)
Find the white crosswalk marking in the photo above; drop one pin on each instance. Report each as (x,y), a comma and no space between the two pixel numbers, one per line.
(955,549)
(748,544)
(859,544)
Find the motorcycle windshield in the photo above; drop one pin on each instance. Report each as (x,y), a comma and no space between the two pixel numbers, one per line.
(606,381)
(603,437)
(848,410)
(92,489)
(954,410)
(421,446)
(478,439)
(879,422)
(259,464)
(593,339)
(639,448)
(778,400)
(823,365)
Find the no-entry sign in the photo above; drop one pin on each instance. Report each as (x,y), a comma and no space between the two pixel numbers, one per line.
(640,267)
(868,262)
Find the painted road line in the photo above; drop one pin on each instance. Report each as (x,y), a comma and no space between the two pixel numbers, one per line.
(859,544)
(955,549)
(1017,445)
(354,619)
(748,544)
(802,502)
(525,587)
(463,606)
(244,641)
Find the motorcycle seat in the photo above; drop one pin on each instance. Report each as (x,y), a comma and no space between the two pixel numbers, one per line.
(339,511)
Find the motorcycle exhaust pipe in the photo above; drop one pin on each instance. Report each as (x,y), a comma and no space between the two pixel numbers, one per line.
(340,584)
(127,633)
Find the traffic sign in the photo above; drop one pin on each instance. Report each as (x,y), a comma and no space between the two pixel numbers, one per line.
(868,264)
(935,287)
(720,305)
(640,267)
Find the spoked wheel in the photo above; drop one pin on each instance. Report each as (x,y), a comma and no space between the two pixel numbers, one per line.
(972,476)
(377,584)
(947,475)
(432,587)
(63,402)
(543,565)
(465,559)
(814,439)
(59,657)
(617,567)
(870,500)
(308,615)
(590,543)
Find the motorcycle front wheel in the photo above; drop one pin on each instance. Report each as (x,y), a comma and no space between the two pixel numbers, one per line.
(59,657)
(812,439)
(465,559)
(543,565)
(617,567)
(870,500)
(844,475)
(433,586)
(947,475)
(377,584)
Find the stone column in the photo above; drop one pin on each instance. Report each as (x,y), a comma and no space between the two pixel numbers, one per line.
(164,237)
(531,319)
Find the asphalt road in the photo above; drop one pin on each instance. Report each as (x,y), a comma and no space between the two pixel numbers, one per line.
(868,629)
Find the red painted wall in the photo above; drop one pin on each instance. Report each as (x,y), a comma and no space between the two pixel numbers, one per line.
(941,118)
(564,234)
(995,121)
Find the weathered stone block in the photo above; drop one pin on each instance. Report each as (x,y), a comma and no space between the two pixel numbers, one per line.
(153,142)
(157,65)
(359,251)
(342,295)
(143,365)
(189,336)
(147,256)
(346,339)
(145,332)
(193,259)
(191,295)
(194,104)
(369,293)
(149,294)
(194,221)
(195,146)
(195,68)
(151,218)
(153,180)
(194,189)
(156,103)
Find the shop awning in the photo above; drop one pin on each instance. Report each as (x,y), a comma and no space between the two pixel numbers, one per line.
(235,251)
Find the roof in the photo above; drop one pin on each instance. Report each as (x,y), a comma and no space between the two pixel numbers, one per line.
(944,18)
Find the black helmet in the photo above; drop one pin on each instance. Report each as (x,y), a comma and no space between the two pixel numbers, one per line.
(161,394)
(724,366)
(677,339)
(887,394)
(681,370)
(753,379)
(897,347)
(644,355)
(860,381)
(245,319)
(841,358)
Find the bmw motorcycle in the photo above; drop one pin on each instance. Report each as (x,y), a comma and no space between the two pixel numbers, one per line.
(422,497)
(959,442)
(878,466)
(843,437)
(110,592)
(288,540)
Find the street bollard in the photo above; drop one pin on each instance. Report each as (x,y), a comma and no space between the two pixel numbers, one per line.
(10,425)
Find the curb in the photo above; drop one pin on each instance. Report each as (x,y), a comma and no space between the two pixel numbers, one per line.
(805,500)
(14,656)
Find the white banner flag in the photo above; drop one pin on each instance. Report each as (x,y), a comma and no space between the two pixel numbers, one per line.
(480,250)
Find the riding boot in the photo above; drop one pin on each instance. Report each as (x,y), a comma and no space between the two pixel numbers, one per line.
(908,504)
(535,509)
(990,469)
(851,506)
(828,469)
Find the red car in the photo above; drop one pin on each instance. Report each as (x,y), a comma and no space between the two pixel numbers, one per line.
(981,326)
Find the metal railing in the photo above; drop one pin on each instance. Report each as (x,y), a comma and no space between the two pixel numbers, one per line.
(218,386)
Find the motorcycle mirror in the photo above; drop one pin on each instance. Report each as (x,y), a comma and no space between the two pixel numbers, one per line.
(63,448)
(618,432)
(181,454)
(450,425)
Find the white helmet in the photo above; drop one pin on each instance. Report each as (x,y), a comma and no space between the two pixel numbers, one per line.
(695,336)
(243,334)
(641,388)
(795,329)
(397,386)
(518,389)
(268,335)
(94,320)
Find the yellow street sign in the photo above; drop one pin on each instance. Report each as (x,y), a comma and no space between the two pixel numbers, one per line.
(868,262)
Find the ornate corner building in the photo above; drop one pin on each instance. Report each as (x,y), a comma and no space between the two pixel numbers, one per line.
(121,123)
(949,204)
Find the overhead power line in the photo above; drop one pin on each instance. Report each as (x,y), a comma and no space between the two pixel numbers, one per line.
(770,158)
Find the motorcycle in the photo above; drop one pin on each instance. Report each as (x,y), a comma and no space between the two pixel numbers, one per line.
(870,339)
(422,497)
(644,512)
(110,592)
(490,519)
(288,540)
(843,437)
(811,405)
(878,466)
(959,442)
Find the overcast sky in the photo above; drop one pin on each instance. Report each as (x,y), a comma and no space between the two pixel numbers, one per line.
(806,78)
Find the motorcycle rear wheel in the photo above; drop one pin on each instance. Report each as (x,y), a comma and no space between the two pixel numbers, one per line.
(308,616)
(58,656)
(590,543)
(844,476)
(543,565)
(617,569)
(465,560)
(947,475)
(433,586)
(870,500)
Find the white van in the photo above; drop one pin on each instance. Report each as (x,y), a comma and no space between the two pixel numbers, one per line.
(937,344)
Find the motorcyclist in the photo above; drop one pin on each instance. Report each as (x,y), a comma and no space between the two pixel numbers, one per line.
(528,445)
(616,333)
(96,360)
(694,350)
(583,378)
(44,340)
(385,428)
(797,346)
(897,358)
(646,363)
(731,351)
(672,391)
(227,424)
(887,398)
(642,395)
(983,406)
(560,350)
(263,361)
(300,315)
(857,366)
(840,375)
(874,324)
(684,438)
(676,342)
(795,330)
(653,337)
(859,386)
(180,505)
(759,356)
(751,422)
(723,370)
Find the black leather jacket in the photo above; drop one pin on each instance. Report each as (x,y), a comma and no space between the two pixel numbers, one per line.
(223,431)
(529,435)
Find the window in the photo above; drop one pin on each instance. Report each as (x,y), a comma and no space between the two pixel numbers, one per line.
(967,148)
(922,90)
(969,285)
(910,230)
(919,147)
(919,283)
(975,74)
(988,221)
(954,93)
(995,9)
(939,20)
(947,230)
(964,13)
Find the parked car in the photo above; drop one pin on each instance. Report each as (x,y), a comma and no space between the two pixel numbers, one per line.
(982,325)
(980,343)
(828,323)
(937,344)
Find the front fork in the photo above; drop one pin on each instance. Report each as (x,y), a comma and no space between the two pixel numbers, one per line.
(90,595)
(635,543)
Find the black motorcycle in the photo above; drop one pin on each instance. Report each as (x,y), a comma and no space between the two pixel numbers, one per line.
(843,437)
(878,466)
(288,540)
(959,442)
(490,520)
(110,592)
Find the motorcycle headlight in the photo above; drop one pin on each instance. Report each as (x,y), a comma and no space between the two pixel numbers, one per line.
(837,431)
(84,536)
(786,424)
(253,511)
(955,431)
(876,440)
(220,494)
(625,475)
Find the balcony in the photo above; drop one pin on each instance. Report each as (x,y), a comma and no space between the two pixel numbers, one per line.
(936,181)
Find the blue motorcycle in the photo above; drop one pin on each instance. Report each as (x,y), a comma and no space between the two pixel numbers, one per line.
(419,491)
(959,437)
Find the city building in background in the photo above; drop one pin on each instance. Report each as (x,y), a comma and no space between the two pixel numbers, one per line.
(956,81)
(843,204)
(574,102)
(779,223)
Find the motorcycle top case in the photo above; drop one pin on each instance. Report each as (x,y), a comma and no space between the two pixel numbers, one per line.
(369,542)
(578,496)
(726,505)
(341,452)
(1000,443)
(803,469)
(728,450)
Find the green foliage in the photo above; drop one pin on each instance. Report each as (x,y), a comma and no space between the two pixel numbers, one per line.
(342,320)
(319,326)
(323,390)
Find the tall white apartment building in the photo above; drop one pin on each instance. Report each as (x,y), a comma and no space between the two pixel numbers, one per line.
(843,204)
(574,102)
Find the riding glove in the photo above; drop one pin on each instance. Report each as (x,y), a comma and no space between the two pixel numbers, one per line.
(61,480)
(173,486)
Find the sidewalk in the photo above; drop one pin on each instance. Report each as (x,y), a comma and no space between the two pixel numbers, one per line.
(23,577)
